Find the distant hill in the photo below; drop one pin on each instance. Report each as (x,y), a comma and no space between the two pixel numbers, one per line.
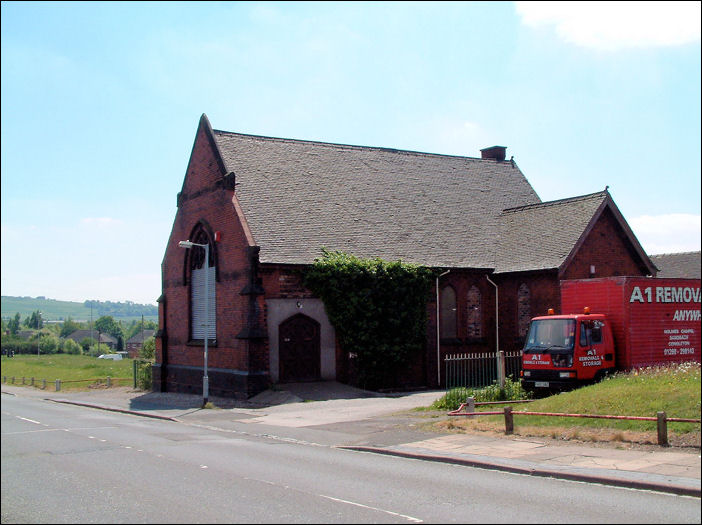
(53,310)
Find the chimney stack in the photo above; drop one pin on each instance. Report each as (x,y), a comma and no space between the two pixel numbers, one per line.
(497,153)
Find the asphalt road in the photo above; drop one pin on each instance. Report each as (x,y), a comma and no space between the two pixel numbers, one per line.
(68,464)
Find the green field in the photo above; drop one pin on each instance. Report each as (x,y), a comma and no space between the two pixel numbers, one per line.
(54,310)
(76,372)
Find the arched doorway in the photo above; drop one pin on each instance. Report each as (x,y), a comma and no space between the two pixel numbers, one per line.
(299,349)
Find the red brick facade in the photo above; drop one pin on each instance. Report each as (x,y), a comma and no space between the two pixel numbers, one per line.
(237,360)
(241,360)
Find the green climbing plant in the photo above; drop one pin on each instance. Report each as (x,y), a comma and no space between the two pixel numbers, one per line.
(378,309)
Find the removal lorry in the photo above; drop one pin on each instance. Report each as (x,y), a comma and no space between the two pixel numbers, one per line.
(610,324)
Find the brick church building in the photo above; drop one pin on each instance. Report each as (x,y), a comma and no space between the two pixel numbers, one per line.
(267,206)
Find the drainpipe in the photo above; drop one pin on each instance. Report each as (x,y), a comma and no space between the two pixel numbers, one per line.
(497,330)
(438,338)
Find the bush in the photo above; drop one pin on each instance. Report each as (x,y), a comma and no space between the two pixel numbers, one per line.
(18,346)
(144,377)
(71,347)
(97,350)
(49,344)
(148,349)
(512,391)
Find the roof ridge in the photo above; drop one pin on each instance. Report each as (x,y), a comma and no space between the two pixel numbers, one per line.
(352,146)
(674,253)
(556,202)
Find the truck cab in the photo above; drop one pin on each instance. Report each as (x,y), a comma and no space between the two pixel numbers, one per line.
(562,352)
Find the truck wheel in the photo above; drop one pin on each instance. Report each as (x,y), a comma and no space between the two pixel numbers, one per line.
(602,374)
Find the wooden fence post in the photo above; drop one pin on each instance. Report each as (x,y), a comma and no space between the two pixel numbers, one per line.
(109,382)
(662,429)
(470,405)
(509,421)
(43,384)
(501,368)
(58,385)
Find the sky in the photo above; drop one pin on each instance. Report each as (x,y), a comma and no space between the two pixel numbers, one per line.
(101,102)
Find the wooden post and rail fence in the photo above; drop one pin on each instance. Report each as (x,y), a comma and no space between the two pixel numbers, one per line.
(467,409)
(107,381)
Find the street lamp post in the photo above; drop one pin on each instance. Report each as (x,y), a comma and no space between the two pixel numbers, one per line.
(205,379)
(38,330)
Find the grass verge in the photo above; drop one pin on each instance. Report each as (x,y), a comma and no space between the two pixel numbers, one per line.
(674,390)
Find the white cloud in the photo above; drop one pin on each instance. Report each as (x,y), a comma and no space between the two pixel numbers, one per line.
(672,233)
(616,25)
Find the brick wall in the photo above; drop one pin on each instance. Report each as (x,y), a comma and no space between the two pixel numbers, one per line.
(608,249)
(461,281)
(235,362)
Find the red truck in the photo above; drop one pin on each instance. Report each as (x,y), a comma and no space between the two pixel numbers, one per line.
(610,324)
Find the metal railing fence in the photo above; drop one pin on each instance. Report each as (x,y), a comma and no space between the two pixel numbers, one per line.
(480,369)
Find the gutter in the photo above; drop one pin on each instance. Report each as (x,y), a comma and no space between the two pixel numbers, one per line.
(438,337)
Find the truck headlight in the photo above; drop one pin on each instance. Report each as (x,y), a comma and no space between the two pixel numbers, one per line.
(527,373)
(566,374)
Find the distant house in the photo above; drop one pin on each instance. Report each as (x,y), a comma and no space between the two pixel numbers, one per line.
(105,339)
(135,342)
(684,265)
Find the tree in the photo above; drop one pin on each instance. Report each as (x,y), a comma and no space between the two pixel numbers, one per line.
(148,349)
(14,324)
(69,326)
(107,325)
(34,320)
(135,327)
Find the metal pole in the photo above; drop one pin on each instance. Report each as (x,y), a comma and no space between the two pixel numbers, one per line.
(38,331)
(205,379)
(438,335)
(497,324)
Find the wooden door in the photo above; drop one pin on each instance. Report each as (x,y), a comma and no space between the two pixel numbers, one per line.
(299,349)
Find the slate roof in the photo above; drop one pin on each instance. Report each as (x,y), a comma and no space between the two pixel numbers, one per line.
(436,210)
(678,265)
(542,236)
(137,338)
(79,335)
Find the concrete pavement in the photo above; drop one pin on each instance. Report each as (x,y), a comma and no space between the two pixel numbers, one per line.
(332,414)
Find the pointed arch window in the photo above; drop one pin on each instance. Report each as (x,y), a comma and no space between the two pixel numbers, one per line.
(475,322)
(523,309)
(202,288)
(448,312)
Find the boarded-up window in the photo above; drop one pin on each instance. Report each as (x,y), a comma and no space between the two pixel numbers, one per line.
(201,300)
(523,309)
(475,321)
(202,289)
(448,312)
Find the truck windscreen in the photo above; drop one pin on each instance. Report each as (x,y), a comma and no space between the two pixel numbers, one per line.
(550,336)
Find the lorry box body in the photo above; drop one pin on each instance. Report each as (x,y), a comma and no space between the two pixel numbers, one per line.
(654,321)
(608,324)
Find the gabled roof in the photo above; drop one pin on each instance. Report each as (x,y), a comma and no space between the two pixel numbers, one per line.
(546,236)
(436,210)
(79,335)
(678,265)
(139,337)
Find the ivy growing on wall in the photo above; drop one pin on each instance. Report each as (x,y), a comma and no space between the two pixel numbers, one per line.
(378,309)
